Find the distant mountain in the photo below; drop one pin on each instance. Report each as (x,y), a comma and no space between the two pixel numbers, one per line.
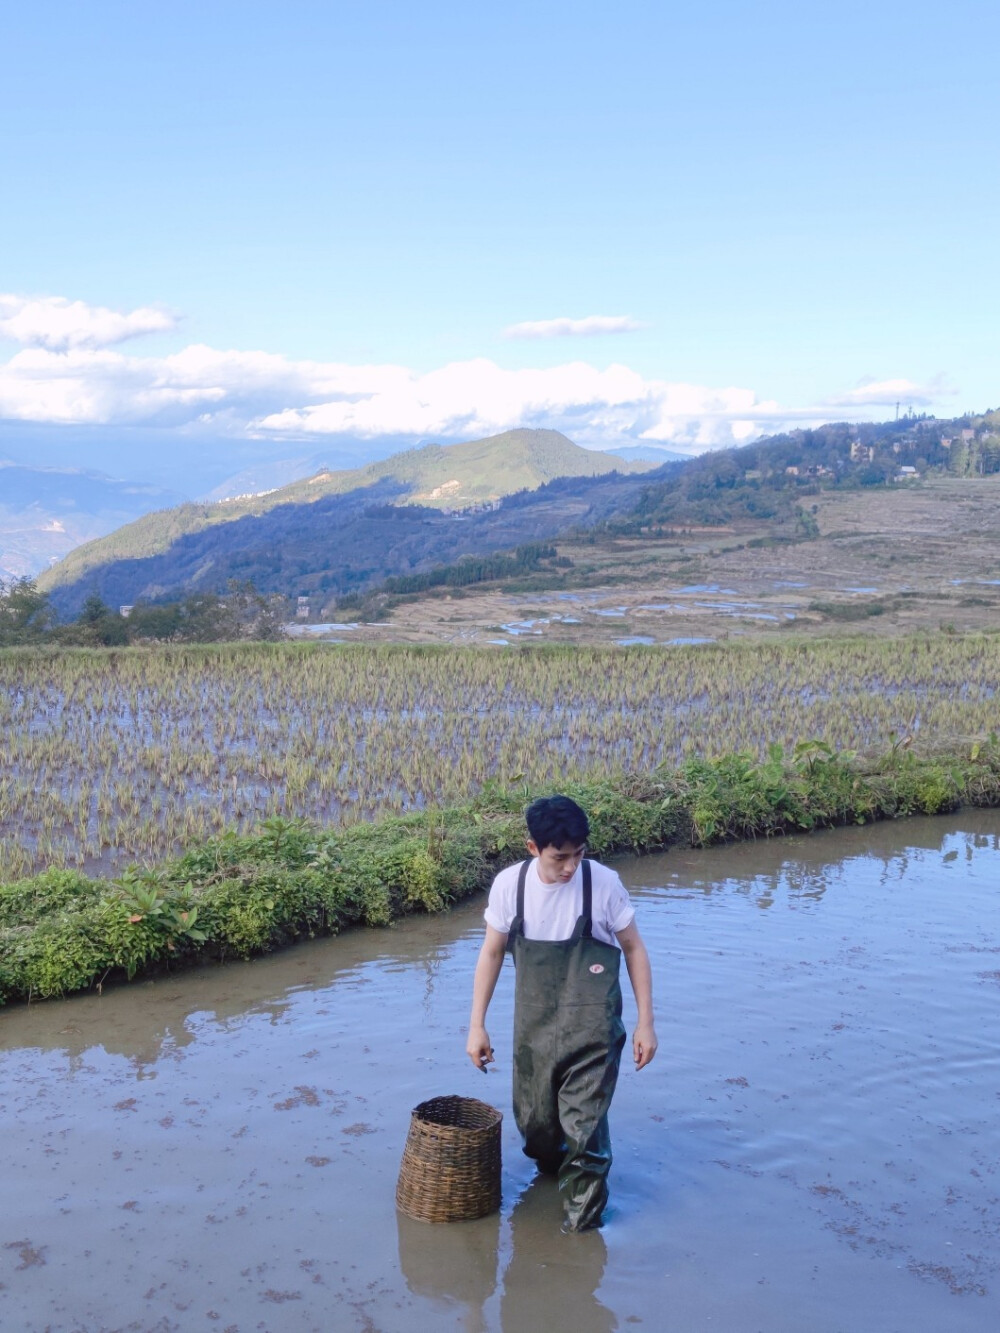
(192,462)
(343,543)
(649,453)
(46,512)
(444,477)
(457,476)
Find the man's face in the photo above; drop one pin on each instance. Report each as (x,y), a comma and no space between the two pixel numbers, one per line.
(557,865)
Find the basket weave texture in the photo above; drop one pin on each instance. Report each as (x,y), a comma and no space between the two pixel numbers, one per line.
(451,1163)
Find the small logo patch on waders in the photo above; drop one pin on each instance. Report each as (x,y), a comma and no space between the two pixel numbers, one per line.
(596,968)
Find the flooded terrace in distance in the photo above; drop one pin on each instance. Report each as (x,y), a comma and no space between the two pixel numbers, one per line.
(813,1148)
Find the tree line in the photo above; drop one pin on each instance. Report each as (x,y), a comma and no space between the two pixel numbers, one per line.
(462,574)
(240,613)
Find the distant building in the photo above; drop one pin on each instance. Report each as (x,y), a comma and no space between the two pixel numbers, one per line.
(477,507)
(791,471)
(126,610)
(907,473)
(302,608)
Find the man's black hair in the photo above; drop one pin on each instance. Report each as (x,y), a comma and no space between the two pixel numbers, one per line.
(554,821)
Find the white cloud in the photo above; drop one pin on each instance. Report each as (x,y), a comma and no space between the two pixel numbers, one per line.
(470,398)
(77,378)
(60,325)
(886,393)
(267,394)
(591,326)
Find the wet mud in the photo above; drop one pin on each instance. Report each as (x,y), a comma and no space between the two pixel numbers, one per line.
(813,1148)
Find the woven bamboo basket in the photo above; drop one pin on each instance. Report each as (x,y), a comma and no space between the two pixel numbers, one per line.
(451,1162)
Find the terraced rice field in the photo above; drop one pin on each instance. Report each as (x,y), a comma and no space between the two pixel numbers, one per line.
(115,757)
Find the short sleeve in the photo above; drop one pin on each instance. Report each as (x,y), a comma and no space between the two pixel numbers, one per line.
(502,902)
(620,911)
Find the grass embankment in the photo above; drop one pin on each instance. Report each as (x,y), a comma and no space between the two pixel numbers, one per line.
(240,895)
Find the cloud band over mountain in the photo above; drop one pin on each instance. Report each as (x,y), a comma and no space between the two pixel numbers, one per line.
(68,371)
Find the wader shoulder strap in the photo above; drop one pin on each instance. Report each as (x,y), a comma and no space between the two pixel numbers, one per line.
(522,875)
(588,900)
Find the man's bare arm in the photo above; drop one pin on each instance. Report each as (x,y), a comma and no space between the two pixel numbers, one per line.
(488,966)
(641,976)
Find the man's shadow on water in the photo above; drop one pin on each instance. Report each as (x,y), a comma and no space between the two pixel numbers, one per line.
(550,1279)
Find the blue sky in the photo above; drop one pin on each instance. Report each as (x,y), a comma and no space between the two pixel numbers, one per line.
(321,221)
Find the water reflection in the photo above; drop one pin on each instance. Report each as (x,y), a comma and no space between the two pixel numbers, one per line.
(552,1278)
(155,1020)
(801,868)
(455,1263)
(148,1022)
(548,1278)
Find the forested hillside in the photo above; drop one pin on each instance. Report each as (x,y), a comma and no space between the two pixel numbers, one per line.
(440,477)
(341,543)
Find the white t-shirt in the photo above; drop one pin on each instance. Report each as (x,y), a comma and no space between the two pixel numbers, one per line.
(551,910)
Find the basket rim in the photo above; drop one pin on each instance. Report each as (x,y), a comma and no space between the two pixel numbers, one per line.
(423,1112)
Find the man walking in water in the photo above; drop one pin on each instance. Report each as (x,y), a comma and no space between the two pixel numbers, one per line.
(566,922)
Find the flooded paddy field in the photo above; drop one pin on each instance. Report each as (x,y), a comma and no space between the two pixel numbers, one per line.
(114,757)
(814,1146)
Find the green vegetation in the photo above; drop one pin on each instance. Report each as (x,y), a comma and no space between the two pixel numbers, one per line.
(25,616)
(860,609)
(240,614)
(240,894)
(975,447)
(377,602)
(113,756)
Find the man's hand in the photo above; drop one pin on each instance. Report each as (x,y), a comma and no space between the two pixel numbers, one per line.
(643,1045)
(478,1048)
(637,962)
(488,966)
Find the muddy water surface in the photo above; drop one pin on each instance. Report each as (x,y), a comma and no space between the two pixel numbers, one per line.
(814,1148)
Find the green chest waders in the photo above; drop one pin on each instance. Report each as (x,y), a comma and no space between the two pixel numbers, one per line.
(568,1039)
